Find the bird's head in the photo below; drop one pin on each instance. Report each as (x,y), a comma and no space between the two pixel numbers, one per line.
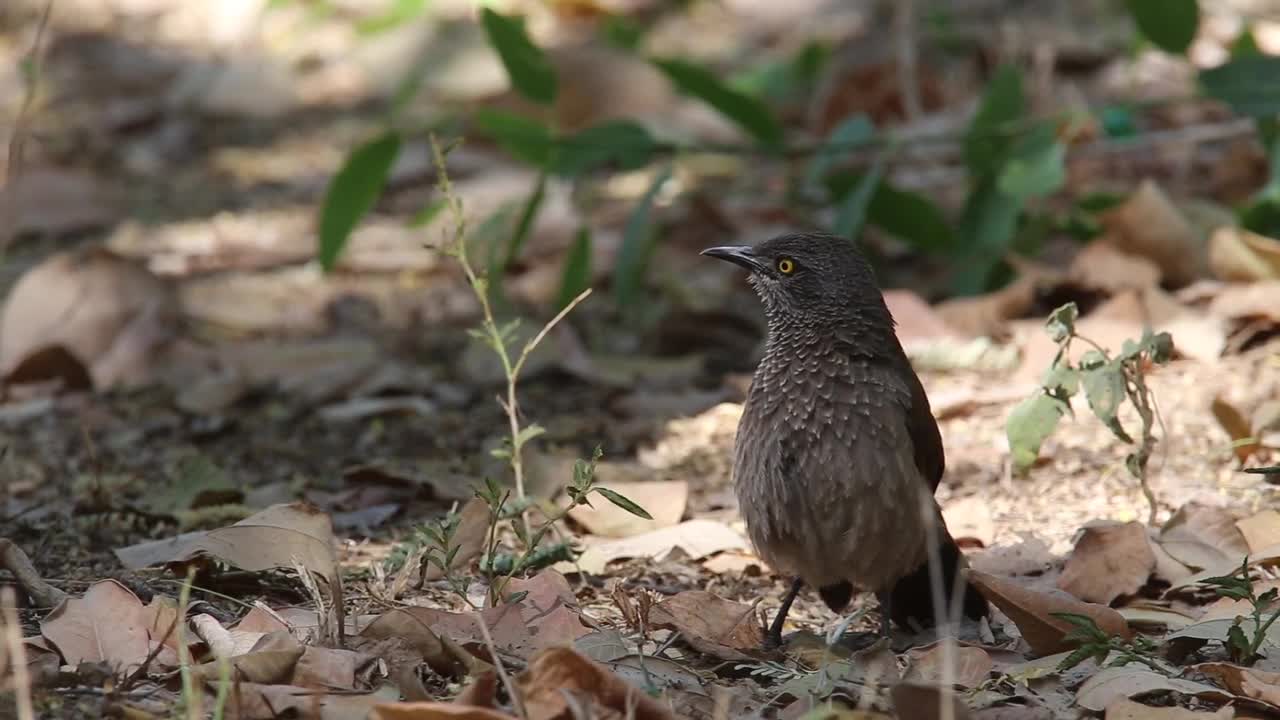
(810,277)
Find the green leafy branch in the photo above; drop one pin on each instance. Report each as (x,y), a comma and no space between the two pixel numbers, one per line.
(1246,648)
(1107,382)
(1096,644)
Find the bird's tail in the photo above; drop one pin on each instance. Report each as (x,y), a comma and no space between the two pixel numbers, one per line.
(912,601)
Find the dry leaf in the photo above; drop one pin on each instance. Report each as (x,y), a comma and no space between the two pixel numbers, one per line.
(969,665)
(1149,225)
(1238,255)
(1102,266)
(1108,561)
(1260,530)
(915,322)
(1249,682)
(970,519)
(253,701)
(926,702)
(1126,709)
(1248,301)
(51,200)
(733,562)
(112,315)
(664,500)
(558,679)
(435,711)
(1031,612)
(1201,536)
(710,624)
(1029,557)
(108,624)
(1236,425)
(696,539)
(1109,685)
(273,538)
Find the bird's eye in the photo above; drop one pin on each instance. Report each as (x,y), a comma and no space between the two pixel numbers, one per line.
(786,266)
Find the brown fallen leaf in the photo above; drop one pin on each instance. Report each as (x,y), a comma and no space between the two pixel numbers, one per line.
(969,665)
(1260,530)
(710,624)
(1237,427)
(1102,266)
(403,624)
(696,539)
(664,500)
(969,521)
(916,322)
(1149,225)
(273,538)
(1249,682)
(1108,561)
(1201,536)
(1238,255)
(435,711)
(1126,709)
(1031,612)
(1110,685)
(927,702)
(1256,300)
(253,701)
(53,200)
(51,363)
(110,314)
(560,679)
(110,624)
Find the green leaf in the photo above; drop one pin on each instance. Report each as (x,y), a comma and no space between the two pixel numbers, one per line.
(1035,167)
(904,214)
(1061,323)
(529,69)
(353,192)
(400,12)
(624,503)
(853,210)
(1246,83)
(637,240)
(848,135)
(577,268)
(1104,388)
(1118,122)
(1029,424)
(1061,380)
(623,143)
(528,433)
(987,228)
(1169,24)
(748,112)
(988,137)
(527,216)
(526,139)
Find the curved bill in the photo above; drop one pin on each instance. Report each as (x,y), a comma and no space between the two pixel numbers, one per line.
(736,254)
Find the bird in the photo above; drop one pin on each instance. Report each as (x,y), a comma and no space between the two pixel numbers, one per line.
(837,455)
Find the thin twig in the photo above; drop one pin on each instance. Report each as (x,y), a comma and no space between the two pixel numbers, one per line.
(9,208)
(17,654)
(516,702)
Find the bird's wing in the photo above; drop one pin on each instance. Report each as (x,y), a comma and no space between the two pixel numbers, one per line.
(925,435)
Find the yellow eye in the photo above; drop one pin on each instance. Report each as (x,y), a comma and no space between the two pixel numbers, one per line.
(786,266)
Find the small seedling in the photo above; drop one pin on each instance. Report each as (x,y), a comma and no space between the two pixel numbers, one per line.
(1107,382)
(499,567)
(1244,645)
(1096,644)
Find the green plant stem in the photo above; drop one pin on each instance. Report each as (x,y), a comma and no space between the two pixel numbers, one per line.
(1261,633)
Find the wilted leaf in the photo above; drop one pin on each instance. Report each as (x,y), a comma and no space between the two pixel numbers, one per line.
(1261,530)
(664,500)
(1108,561)
(1126,709)
(353,192)
(1237,427)
(1029,424)
(696,539)
(276,537)
(558,674)
(967,665)
(1148,224)
(721,628)
(1112,684)
(1104,387)
(1249,682)
(529,69)
(751,114)
(1033,613)
(1202,536)
(1169,24)
(435,711)
(928,702)
(109,624)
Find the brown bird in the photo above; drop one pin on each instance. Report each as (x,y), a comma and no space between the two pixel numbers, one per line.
(837,454)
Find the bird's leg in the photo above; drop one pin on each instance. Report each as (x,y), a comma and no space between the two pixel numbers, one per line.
(886,614)
(773,638)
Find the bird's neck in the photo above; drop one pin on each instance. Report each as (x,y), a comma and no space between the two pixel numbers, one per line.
(863,332)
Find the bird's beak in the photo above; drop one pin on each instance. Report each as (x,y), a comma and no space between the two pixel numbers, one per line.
(738,255)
